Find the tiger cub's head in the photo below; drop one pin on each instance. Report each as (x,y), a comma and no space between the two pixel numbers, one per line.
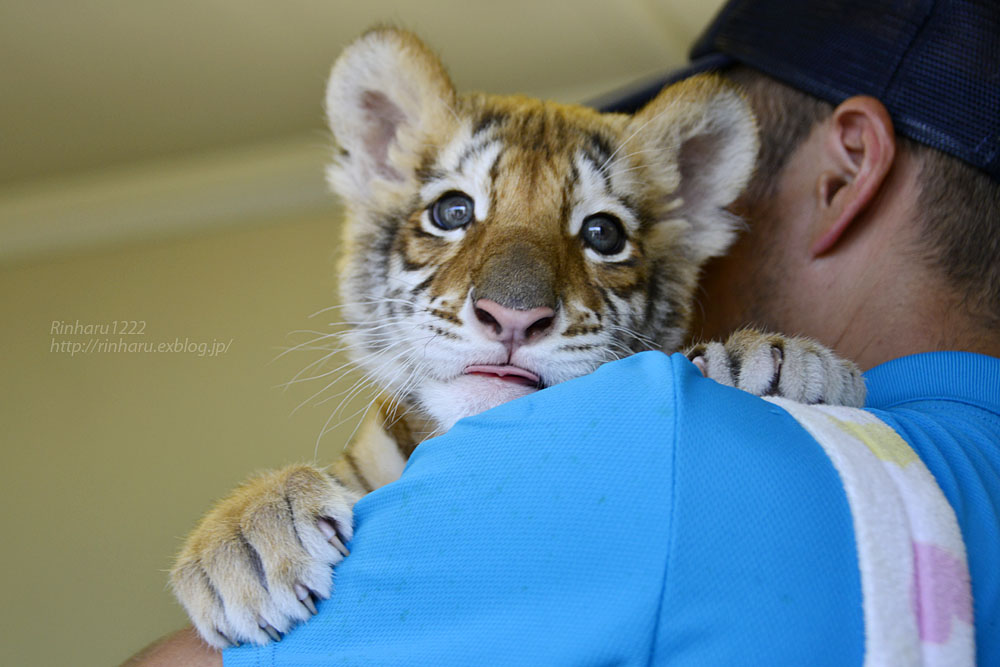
(497,245)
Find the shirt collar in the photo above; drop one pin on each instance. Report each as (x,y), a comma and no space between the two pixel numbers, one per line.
(959,376)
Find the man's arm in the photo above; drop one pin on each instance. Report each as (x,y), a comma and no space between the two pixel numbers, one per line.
(181,649)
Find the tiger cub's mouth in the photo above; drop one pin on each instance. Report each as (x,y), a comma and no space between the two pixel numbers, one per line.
(507,373)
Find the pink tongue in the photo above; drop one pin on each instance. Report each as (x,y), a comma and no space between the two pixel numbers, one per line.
(505,372)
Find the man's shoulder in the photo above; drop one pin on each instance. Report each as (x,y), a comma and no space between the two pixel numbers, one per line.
(663,395)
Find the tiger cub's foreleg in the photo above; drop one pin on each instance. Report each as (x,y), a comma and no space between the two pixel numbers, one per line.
(254,564)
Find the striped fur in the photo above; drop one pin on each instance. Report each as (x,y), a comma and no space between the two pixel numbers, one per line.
(424,301)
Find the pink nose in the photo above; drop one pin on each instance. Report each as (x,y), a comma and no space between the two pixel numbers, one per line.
(513,326)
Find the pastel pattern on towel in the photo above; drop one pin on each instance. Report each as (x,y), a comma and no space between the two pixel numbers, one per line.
(940,592)
(915,585)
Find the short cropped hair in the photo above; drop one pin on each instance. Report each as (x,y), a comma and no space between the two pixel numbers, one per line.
(958,205)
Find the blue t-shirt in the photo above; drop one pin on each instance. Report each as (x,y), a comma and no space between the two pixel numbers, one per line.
(643,515)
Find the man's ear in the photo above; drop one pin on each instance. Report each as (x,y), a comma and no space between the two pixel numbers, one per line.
(699,140)
(859,147)
(387,100)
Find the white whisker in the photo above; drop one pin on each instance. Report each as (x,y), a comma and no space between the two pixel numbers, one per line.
(630,137)
(327,428)
(349,363)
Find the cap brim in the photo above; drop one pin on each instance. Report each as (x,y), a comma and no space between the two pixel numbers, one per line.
(633,97)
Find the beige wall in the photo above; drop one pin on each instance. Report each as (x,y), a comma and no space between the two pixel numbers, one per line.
(110,457)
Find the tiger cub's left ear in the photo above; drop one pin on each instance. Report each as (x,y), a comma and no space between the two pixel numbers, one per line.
(387,100)
(699,139)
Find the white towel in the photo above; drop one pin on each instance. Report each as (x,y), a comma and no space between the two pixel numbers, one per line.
(914,575)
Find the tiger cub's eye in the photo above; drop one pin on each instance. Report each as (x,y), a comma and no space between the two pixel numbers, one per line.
(604,233)
(453,210)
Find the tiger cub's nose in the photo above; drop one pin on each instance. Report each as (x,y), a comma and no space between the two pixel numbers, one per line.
(508,325)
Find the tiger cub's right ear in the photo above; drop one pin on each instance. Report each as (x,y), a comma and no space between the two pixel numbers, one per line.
(388,99)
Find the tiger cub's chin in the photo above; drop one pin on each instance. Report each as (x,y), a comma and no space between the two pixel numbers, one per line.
(448,401)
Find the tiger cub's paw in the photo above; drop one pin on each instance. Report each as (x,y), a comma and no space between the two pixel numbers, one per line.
(796,368)
(253,566)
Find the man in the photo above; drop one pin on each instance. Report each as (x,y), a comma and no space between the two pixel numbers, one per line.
(643,514)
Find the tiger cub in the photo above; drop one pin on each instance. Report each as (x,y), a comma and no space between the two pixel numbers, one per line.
(495,246)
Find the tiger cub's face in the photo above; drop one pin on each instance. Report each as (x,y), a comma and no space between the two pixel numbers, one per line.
(498,245)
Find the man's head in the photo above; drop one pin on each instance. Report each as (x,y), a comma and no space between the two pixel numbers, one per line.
(876,206)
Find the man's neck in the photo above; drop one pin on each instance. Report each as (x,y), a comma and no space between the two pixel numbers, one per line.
(921,319)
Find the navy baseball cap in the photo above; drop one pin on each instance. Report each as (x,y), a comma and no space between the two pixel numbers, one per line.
(934,64)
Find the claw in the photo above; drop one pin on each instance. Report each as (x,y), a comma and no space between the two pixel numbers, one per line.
(271,632)
(229,642)
(330,533)
(338,545)
(305,597)
(702,365)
